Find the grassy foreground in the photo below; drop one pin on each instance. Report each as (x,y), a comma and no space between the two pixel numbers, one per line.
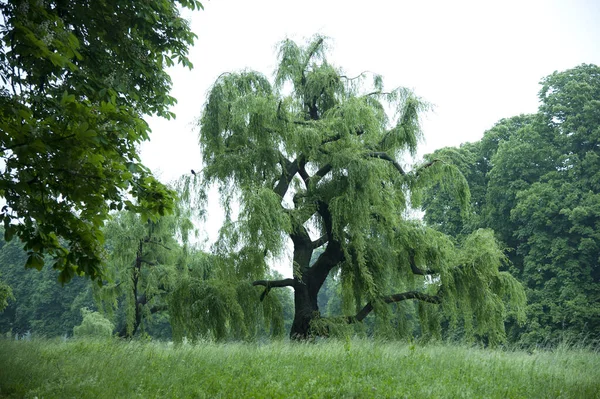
(356,369)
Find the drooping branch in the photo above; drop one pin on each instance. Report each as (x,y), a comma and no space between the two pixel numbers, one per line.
(416,269)
(364,312)
(268,284)
(386,157)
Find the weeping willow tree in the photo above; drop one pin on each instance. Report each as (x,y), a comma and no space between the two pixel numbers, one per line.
(311,161)
(143,266)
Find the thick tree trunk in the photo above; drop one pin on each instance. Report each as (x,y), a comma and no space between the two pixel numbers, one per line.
(307,287)
(305,310)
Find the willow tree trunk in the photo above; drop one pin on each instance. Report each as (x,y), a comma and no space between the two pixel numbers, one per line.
(308,283)
(306,308)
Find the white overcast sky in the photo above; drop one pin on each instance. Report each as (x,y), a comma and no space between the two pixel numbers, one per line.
(476,61)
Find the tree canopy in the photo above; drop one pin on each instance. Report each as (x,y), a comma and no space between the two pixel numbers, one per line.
(311,159)
(537,176)
(77,79)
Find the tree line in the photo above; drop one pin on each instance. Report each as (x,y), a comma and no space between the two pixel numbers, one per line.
(534,180)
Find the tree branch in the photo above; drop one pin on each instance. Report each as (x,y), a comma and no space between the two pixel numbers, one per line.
(289,169)
(148,262)
(360,75)
(158,308)
(425,166)
(359,132)
(320,173)
(378,92)
(151,241)
(416,269)
(320,241)
(268,284)
(386,157)
(364,312)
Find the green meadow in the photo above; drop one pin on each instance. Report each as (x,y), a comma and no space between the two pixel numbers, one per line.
(327,369)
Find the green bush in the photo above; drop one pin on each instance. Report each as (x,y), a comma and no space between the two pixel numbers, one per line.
(93,325)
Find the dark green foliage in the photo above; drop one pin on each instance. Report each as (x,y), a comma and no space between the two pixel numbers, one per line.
(41,305)
(539,188)
(6,294)
(78,77)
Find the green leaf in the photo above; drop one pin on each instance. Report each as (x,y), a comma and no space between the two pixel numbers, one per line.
(35,260)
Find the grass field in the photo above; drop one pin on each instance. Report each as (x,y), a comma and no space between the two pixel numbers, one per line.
(333,369)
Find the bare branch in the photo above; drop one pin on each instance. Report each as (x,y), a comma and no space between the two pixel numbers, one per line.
(364,312)
(386,157)
(268,284)
(287,282)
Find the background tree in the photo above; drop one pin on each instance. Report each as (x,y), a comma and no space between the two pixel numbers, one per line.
(5,294)
(77,79)
(41,305)
(474,160)
(93,325)
(317,152)
(144,260)
(540,197)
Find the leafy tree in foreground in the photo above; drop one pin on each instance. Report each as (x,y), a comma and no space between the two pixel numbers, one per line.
(77,79)
(316,151)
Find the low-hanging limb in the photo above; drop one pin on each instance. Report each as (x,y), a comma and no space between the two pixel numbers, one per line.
(268,284)
(364,312)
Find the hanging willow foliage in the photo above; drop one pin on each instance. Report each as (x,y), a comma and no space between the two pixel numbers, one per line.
(316,150)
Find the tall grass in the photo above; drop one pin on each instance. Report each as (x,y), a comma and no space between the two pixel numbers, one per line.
(330,369)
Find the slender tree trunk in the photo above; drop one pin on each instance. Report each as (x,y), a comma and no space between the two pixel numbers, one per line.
(135,277)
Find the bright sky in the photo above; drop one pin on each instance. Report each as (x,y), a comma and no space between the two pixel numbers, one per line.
(476,61)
